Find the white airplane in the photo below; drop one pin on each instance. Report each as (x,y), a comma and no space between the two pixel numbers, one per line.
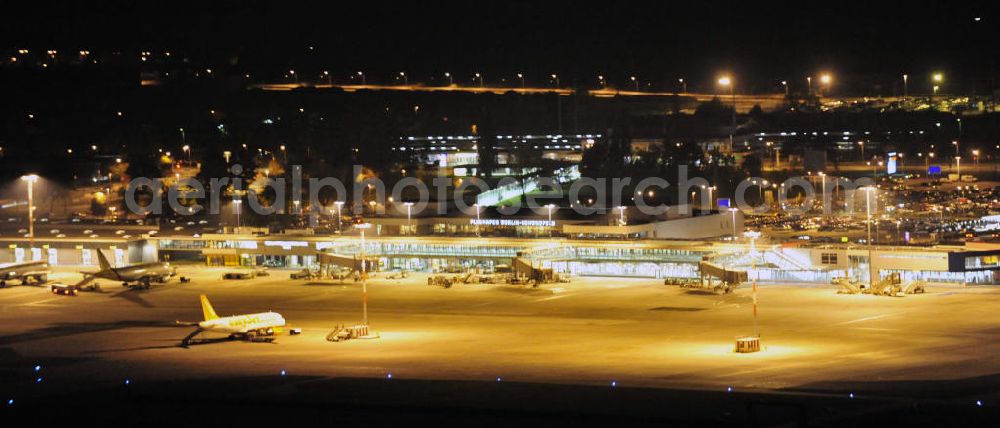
(252,327)
(139,275)
(25,271)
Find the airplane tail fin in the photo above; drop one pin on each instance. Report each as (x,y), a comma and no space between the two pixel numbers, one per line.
(207,309)
(105,265)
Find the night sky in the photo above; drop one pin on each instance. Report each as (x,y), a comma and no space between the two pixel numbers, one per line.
(658,41)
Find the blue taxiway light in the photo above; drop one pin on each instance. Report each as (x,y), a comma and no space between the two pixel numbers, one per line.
(38,368)
(128,381)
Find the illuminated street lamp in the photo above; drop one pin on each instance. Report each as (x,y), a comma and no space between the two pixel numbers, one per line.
(480,77)
(31,179)
(339,205)
(362,77)
(785,84)
(958,166)
(822,178)
(329,79)
(684,85)
(861,144)
(752,236)
(636,82)
(906,79)
(364,273)
(975,156)
(294,76)
(238,205)
(602,82)
(826,80)
(187,150)
(450,80)
(870,193)
(809,85)
(733,212)
(476,206)
(406,80)
(409,205)
(726,81)
(521,76)
(555,77)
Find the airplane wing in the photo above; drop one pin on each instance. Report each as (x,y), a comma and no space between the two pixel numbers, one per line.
(87,279)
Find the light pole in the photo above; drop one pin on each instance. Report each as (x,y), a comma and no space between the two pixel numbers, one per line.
(364,274)
(362,76)
(906,78)
(339,205)
(975,156)
(958,167)
(602,82)
(636,82)
(480,77)
(239,208)
(727,81)
(521,76)
(822,178)
(450,80)
(556,78)
(31,179)
(825,80)
(406,80)
(294,76)
(733,212)
(753,267)
(409,205)
(861,144)
(785,84)
(477,218)
(869,191)
(329,79)
(684,86)
(183,137)
(809,86)
(187,151)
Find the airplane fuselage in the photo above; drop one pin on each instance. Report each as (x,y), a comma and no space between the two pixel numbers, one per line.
(143,273)
(262,323)
(39,270)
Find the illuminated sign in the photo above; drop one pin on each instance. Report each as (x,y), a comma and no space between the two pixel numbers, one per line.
(512,222)
(723,202)
(890,166)
(934,169)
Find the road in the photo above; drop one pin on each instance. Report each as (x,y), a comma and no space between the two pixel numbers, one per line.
(744,103)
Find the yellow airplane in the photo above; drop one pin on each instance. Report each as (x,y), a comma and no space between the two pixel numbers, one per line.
(252,327)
